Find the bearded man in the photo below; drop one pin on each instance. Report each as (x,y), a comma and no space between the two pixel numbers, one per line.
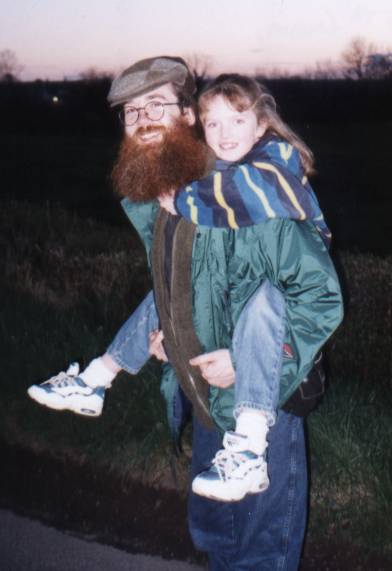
(195,271)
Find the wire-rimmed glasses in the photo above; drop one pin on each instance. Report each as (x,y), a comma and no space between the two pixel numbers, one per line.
(154,110)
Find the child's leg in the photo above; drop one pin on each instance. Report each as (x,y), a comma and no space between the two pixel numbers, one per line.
(257,352)
(84,393)
(241,468)
(129,350)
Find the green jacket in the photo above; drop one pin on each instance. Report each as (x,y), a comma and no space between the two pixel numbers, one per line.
(228,266)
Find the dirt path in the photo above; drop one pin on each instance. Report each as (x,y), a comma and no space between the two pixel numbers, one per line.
(131,517)
(28,544)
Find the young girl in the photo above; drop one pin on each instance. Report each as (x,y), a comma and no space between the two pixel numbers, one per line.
(262,165)
(260,174)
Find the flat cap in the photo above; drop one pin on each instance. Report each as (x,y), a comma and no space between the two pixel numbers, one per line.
(149,73)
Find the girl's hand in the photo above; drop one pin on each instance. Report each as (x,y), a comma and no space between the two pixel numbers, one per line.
(156,346)
(166,202)
(216,367)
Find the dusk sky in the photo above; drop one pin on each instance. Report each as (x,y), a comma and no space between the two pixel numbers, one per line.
(53,38)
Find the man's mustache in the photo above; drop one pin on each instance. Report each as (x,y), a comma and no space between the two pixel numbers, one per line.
(146,169)
(149,129)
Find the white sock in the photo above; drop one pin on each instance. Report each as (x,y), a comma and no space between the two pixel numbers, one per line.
(253,423)
(97,374)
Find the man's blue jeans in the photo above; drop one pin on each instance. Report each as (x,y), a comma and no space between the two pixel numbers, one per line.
(262,532)
(257,347)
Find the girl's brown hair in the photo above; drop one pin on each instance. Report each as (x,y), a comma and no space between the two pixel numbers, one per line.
(244,93)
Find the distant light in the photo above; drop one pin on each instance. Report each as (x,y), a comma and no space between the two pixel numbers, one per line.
(55,99)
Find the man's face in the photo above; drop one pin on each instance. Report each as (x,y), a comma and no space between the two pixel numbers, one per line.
(157,156)
(146,130)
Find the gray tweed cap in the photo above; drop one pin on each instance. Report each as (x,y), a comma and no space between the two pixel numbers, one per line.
(149,73)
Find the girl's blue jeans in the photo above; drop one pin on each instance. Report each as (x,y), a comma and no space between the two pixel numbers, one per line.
(256,351)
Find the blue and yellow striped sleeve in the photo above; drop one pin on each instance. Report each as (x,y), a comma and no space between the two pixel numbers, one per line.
(253,192)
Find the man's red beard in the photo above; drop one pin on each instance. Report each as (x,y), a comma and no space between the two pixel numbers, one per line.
(145,171)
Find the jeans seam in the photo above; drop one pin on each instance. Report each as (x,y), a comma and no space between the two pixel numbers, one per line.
(267,403)
(116,348)
(121,363)
(279,356)
(119,346)
(269,412)
(282,564)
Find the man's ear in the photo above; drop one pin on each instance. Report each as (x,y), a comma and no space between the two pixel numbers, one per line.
(189,115)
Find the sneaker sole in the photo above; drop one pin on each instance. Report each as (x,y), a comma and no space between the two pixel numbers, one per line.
(258,490)
(40,399)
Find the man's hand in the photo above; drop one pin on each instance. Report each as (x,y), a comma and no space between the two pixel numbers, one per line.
(216,367)
(156,347)
(166,202)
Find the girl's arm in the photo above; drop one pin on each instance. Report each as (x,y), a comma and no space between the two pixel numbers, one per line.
(268,186)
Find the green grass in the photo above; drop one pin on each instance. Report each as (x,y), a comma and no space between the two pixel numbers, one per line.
(67,286)
(68,283)
(57,165)
(351,461)
(361,348)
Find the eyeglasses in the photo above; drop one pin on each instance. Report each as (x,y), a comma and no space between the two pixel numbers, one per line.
(154,110)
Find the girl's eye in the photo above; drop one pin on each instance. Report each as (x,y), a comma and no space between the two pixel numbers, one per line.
(240,121)
(210,125)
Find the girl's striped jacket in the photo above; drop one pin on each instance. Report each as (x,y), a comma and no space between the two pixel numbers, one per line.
(269,182)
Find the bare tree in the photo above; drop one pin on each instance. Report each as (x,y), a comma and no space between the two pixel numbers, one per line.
(355,57)
(9,66)
(266,72)
(93,74)
(379,66)
(361,60)
(323,70)
(200,64)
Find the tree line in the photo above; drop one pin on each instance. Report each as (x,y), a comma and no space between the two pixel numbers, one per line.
(361,59)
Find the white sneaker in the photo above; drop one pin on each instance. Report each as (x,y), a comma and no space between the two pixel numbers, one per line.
(67,391)
(235,472)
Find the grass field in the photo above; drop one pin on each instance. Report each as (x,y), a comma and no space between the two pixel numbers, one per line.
(69,282)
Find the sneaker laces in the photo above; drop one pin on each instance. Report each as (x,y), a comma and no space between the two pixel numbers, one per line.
(226,462)
(61,380)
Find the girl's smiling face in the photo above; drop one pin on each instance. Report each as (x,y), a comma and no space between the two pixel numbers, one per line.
(230,133)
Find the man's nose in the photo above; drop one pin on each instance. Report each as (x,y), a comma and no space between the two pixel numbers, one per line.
(143,118)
